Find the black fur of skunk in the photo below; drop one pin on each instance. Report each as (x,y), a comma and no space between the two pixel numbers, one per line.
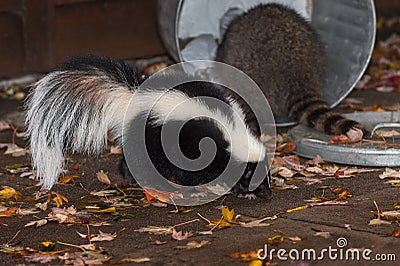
(76,107)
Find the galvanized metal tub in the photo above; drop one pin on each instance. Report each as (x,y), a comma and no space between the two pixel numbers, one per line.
(346,27)
(384,152)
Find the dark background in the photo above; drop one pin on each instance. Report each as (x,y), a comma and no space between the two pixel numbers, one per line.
(35,35)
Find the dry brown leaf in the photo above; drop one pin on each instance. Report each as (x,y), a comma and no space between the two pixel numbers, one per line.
(245,255)
(194,244)
(378,221)
(40,258)
(116,150)
(13,149)
(390,173)
(259,222)
(4,125)
(156,230)
(287,147)
(294,239)
(101,236)
(393,216)
(103,178)
(38,223)
(323,234)
(316,161)
(386,133)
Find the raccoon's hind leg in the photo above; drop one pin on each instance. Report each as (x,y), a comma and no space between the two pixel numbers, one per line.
(313,111)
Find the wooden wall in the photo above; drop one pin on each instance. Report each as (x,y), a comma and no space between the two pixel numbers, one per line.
(35,35)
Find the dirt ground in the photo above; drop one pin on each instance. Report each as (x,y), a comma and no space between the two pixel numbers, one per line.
(162,249)
(126,211)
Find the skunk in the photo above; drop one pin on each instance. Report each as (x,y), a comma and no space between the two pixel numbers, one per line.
(282,53)
(79,105)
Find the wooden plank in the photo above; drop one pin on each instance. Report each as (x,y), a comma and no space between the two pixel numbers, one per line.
(69,2)
(10,5)
(37,47)
(121,29)
(11,45)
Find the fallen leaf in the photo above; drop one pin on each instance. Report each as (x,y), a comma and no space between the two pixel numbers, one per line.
(228,214)
(179,235)
(310,181)
(4,125)
(98,210)
(8,212)
(294,239)
(13,149)
(329,203)
(255,263)
(156,230)
(390,173)
(316,161)
(103,178)
(101,236)
(59,199)
(323,234)
(393,216)
(67,179)
(38,223)
(340,139)
(259,222)
(395,233)
(40,258)
(8,192)
(245,255)
(284,172)
(378,221)
(297,209)
(314,169)
(287,147)
(386,133)
(116,150)
(385,88)
(194,244)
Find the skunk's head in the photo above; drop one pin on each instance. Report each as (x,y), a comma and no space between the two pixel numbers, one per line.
(194,134)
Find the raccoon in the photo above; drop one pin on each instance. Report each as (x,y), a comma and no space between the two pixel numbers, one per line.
(282,53)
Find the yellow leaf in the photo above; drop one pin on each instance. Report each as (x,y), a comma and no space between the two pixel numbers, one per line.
(9,192)
(67,179)
(228,214)
(47,243)
(59,199)
(297,209)
(111,209)
(255,263)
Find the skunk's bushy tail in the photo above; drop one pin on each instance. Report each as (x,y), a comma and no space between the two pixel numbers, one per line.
(74,108)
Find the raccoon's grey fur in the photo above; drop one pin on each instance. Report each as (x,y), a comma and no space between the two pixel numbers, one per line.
(75,108)
(281,52)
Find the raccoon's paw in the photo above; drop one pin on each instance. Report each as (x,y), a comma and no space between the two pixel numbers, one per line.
(358,132)
(250,196)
